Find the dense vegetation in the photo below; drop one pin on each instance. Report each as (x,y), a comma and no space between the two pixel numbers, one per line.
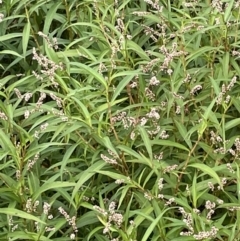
(119,120)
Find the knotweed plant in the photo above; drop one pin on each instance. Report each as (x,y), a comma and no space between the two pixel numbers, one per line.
(119,120)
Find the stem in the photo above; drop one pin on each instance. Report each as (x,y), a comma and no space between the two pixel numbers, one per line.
(186,163)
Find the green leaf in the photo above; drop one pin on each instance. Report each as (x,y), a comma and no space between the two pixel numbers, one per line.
(66,157)
(86,175)
(23,235)
(153,225)
(136,48)
(199,52)
(203,124)
(169,143)
(7,145)
(25,38)
(183,132)
(5,52)
(106,106)
(225,65)
(84,111)
(232,123)
(19,213)
(146,141)
(228,10)
(208,109)
(194,190)
(215,85)
(122,84)
(207,170)
(10,182)
(10,36)
(139,158)
(51,185)
(113,175)
(90,71)
(51,14)
(142,215)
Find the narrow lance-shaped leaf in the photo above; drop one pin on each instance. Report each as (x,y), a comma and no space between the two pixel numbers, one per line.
(25,38)
(90,71)
(86,175)
(146,141)
(169,143)
(19,213)
(207,170)
(51,185)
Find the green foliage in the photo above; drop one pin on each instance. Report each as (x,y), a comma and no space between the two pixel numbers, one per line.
(119,120)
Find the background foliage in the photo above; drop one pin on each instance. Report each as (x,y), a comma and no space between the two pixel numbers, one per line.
(119,120)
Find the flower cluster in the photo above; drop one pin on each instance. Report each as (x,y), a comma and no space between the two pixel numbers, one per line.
(3,116)
(155,5)
(100,210)
(170,168)
(30,206)
(236,151)
(71,221)
(210,206)
(159,156)
(40,101)
(218,143)
(154,35)
(169,55)
(26,96)
(119,181)
(18,175)
(43,127)
(188,220)
(160,184)
(170,201)
(46,208)
(51,44)
(112,216)
(11,225)
(148,196)
(190,4)
(112,160)
(223,96)
(206,234)
(215,138)
(49,67)
(217,5)
(195,89)
(32,162)
(127,121)
(153,114)
(229,167)
(60,114)
(57,99)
